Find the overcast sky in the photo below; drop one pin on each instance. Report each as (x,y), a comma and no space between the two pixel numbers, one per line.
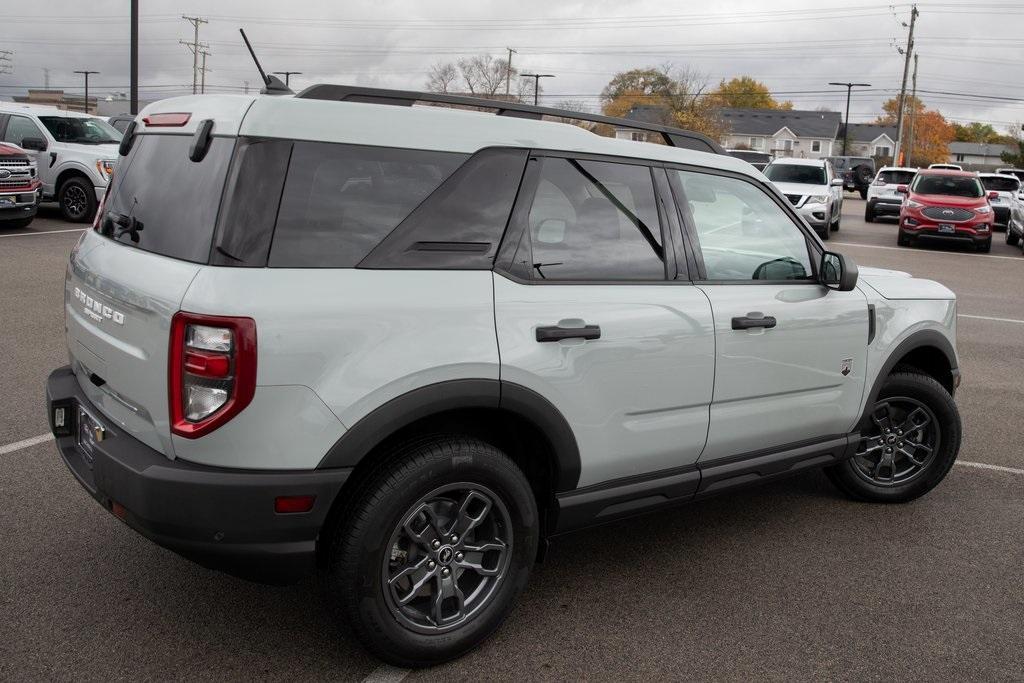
(971,52)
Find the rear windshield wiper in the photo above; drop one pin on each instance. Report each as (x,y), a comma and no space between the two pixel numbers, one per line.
(126,225)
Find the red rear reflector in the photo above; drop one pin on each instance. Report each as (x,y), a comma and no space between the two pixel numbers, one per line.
(289,504)
(169,120)
(207,364)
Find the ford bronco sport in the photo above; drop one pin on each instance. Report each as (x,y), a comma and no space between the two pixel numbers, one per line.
(406,346)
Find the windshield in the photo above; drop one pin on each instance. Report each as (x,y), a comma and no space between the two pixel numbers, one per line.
(78,130)
(1000,184)
(793,173)
(949,185)
(896,177)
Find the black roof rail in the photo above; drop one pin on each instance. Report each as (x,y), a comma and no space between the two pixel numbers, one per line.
(674,137)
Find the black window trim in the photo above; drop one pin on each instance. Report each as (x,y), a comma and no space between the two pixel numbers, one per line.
(815,250)
(517,236)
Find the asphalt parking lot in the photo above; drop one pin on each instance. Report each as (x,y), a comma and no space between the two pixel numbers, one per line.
(789,581)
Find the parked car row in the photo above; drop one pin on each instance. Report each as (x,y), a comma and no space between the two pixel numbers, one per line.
(74,154)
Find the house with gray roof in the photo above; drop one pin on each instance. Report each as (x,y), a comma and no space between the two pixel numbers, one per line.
(781,133)
(868,140)
(977,156)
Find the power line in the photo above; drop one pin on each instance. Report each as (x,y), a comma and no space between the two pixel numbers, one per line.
(195,46)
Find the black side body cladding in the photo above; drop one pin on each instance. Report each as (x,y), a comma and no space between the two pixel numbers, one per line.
(442,397)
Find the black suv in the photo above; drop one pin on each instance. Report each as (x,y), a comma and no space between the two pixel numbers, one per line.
(856,172)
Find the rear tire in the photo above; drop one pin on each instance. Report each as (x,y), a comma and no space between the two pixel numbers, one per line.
(77,199)
(1011,238)
(403,541)
(863,193)
(919,456)
(869,214)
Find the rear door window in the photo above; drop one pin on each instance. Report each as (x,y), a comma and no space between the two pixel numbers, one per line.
(340,201)
(593,220)
(170,200)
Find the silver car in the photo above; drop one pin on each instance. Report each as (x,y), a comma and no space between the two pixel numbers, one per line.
(813,188)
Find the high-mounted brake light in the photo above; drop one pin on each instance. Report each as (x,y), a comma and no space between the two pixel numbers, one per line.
(211,371)
(170,120)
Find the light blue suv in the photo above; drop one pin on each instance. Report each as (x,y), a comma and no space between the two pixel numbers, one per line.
(407,346)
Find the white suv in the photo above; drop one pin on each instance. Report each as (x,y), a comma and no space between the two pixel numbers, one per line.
(409,345)
(884,197)
(813,188)
(75,153)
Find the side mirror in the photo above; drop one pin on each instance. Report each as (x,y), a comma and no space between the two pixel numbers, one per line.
(36,144)
(837,272)
(993,195)
(902,189)
(837,182)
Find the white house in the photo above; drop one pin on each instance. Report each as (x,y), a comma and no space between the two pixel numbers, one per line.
(793,133)
(868,140)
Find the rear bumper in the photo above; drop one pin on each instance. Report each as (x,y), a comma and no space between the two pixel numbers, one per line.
(885,206)
(220,518)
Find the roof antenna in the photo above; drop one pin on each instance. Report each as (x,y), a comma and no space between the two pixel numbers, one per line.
(272,85)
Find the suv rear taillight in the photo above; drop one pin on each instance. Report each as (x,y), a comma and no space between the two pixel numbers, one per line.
(212,371)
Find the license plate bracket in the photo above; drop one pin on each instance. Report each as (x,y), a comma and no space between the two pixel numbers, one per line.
(947,228)
(90,432)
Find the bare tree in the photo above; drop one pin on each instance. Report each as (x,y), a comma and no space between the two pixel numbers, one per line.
(482,76)
(441,76)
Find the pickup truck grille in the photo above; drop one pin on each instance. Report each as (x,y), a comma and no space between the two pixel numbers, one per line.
(15,173)
(13,161)
(939,213)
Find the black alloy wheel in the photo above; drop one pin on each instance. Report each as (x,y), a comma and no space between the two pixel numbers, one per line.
(901,444)
(448,557)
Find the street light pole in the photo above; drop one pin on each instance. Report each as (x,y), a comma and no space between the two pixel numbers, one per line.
(287,76)
(86,74)
(536,83)
(846,125)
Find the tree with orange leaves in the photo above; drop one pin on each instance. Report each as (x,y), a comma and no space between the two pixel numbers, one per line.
(932,133)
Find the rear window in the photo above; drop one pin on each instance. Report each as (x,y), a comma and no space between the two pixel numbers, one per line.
(340,201)
(796,173)
(1000,184)
(171,201)
(896,177)
(949,185)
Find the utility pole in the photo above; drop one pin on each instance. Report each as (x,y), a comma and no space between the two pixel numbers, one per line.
(5,61)
(508,69)
(133,88)
(202,71)
(46,78)
(287,75)
(903,87)
(913,116)
(86,74)
(846,124)
(195,46)
(536,83)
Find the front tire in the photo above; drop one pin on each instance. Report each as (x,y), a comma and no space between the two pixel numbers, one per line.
(433,551)
(77,199)
(910,445)
(902,240)
(985,247)
(1011,238)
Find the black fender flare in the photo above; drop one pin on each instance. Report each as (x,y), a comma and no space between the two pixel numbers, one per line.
(434,399)
(917,340)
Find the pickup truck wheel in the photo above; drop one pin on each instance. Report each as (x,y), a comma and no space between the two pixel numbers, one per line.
(908,448)
(77,199)
(434,550)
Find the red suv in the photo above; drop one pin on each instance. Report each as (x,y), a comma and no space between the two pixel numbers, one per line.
(944,205)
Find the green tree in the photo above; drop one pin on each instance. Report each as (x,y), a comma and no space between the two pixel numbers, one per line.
(746,93)
(678,97)
(978,132)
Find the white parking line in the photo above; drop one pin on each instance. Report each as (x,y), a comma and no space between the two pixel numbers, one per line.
(911,251)
(386,674)
(986,466)
(26,443)
(988,317)
(44,232)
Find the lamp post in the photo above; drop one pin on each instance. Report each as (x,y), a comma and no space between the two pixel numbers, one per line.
(846,125)
(536,82)
(86,74)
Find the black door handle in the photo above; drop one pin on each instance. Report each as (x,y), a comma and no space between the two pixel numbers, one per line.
(753,319)
(553,333)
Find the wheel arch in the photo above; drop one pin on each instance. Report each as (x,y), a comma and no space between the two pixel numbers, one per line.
(513,418)
(926,351)
(70,172)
